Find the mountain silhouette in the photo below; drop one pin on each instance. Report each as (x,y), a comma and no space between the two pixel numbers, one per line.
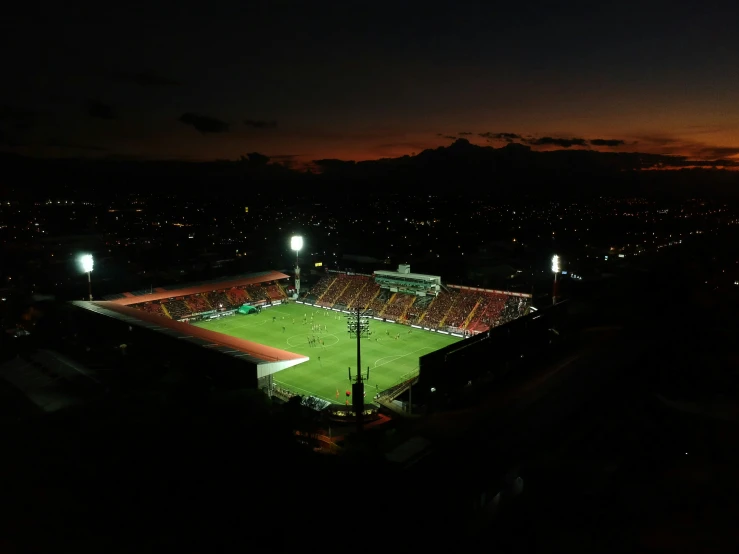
(514,170)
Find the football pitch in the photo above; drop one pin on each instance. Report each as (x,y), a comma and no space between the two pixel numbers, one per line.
(389,358)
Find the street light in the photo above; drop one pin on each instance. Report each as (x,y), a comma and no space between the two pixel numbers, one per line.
(86,262)
(296,243)
(555,286)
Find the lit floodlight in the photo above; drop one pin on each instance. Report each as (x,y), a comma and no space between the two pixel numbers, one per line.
(555,264)
(86,263)
(296,243)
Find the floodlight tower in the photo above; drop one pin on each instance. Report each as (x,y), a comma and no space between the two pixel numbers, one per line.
(556,269)
(86,263)
(296,243)
(359,326)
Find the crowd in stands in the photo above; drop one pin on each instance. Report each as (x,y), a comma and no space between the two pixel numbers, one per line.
(398,306)
(464,303)
(151,307)
(257,293)
(365,296)
(352,291)
(438,310)
(488,313)
(514,308)
(219,300)
(198,303)
(274,292)
(378,304)
(177,308)
(238,296)
(334,291)
(322,286)
(418,309)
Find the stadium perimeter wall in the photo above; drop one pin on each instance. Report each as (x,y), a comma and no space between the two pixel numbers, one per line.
(167,350)
(486,354)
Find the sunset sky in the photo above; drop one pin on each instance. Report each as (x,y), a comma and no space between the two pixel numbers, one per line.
(363,80)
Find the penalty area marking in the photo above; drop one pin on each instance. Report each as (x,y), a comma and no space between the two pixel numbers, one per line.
(303,339)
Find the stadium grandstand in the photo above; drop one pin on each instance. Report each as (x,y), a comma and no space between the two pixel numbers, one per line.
(169,312)
(197,300)
(418,300)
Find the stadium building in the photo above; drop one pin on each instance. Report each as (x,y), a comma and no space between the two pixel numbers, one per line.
(246,332)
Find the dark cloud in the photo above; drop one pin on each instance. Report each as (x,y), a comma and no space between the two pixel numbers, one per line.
(660,140)
(465,134)
(713,152)
(563,142)
(289,161)
(607,142)
(147,79)
(260,124)
(450,137)
(98,110)
(508,137)
(203,123)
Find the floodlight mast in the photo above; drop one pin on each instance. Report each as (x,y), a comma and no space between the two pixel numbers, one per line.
(556,269)
(87,263)
(296,243)
(358,385)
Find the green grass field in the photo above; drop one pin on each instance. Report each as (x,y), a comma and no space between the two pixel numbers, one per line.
(389,359)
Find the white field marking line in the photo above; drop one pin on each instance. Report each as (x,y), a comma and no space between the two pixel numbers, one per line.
(309,393)
(231,324)
(396,358)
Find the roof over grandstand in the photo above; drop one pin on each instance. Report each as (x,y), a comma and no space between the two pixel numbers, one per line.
(268,359)
(417,276)
(172,291)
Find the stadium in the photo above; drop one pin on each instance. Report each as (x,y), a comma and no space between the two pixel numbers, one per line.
(256,331)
